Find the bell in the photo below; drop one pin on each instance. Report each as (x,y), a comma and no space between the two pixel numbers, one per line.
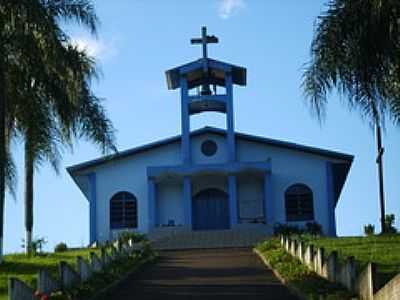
(205,90)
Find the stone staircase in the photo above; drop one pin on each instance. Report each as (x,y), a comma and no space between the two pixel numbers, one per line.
(236,238)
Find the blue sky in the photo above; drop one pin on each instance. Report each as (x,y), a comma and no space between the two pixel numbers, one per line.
(138,40)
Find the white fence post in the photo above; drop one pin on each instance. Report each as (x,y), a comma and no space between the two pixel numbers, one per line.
(46,283)
(84,269)
(69,277)
(95,262)
(18,290)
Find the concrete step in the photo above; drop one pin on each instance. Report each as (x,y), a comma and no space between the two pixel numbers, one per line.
(208,239)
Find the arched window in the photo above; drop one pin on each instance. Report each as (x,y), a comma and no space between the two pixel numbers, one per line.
(299,203)
(123,211)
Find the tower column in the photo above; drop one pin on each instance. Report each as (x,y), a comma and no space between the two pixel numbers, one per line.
(230,118)
(93,207)
(185,117)
(268,201)
(152,198)
(187,201)
(233,204)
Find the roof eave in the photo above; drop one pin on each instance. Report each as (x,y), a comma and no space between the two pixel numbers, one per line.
(92,163)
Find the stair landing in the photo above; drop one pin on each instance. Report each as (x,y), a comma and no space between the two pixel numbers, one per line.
(181,239)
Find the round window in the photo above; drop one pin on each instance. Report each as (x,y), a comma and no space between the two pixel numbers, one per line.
(209,148)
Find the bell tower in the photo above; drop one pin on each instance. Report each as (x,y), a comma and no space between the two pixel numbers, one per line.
(206,86)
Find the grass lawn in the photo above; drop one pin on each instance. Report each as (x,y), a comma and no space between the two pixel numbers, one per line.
(26,269)
(382,250)
(299,276)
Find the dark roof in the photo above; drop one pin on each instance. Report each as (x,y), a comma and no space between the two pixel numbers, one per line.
(177,138)
(195,74)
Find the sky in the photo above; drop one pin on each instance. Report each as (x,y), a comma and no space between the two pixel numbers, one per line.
(139,40)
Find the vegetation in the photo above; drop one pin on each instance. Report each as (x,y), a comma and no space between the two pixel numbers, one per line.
(384,250)
(369,229)
(26,268)
(61,247)
(100,281)
(45,91)
(299,276)
(125,236)
(389,224)
(36,246)
(355,50)
(312,228)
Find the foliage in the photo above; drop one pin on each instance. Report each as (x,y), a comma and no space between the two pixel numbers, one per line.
(286,229)
(147,250)
(26,268)
(298,275)
(48,80)
(355,50)
(96,284)
(312,228)
(61,247)
(389,224)
(369,229)
(365,249)
(36,245)
(125,236)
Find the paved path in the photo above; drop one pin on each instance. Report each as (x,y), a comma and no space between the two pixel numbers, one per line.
(204,274)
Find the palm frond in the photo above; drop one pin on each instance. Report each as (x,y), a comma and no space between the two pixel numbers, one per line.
(355,50)
(81,11)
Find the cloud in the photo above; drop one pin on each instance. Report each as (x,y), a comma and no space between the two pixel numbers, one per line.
(98,48)
(228,8)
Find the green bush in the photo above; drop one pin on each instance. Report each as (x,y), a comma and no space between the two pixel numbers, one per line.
(389,224)
(298,275)
(286,229)
(36,245)
(369,229)
(61,247)
(125,236)
(313,228)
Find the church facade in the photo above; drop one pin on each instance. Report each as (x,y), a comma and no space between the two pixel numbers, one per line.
(211,178)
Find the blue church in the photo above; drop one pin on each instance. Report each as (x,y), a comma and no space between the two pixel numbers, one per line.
(211,179)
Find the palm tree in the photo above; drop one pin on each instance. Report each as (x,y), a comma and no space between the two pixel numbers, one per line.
(36,67)
(356,50)
(73,111)
(48,123)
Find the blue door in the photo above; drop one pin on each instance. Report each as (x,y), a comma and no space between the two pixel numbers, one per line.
(210,210)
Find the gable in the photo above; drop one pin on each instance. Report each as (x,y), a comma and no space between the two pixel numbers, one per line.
(175,139)
(249,148)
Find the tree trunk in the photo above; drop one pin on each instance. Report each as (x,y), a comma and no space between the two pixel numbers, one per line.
(29,171)
(379,161)
(3,149)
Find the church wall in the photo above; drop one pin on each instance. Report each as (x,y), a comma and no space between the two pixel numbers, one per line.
(221,156)
(129,175)
(290,167)
(250,197)
(169,204)
(200,183)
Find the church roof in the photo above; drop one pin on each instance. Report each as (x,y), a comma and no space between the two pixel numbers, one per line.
(273,142)
(195,73)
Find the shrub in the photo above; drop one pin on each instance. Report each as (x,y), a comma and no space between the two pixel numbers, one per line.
(369,229)
(36,246)
(286,229)
(61,247)
(125,236)
(389,224)
(313,228)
